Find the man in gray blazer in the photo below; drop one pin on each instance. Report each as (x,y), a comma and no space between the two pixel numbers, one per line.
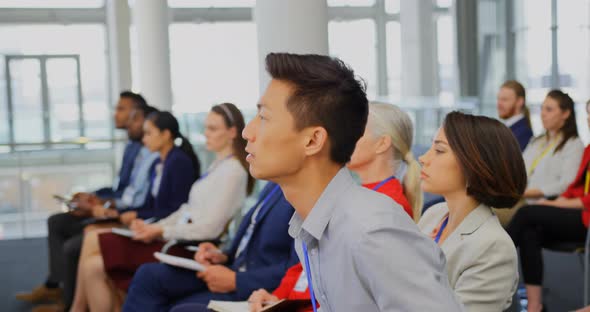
(361,252)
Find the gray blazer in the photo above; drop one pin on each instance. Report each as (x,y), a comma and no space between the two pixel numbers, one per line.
(481,258)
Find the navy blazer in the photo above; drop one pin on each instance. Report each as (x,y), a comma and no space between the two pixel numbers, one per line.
(270,251)
(522,132)
(178,176)
(124,178)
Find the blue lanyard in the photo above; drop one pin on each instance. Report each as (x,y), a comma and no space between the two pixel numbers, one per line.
(204,175)
(308,273)
(378,186)
(442,227)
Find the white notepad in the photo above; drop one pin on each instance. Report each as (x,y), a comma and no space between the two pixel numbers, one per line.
(179,262)
(122,232)
(228,306)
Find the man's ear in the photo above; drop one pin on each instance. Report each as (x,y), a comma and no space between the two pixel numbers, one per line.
(315,140)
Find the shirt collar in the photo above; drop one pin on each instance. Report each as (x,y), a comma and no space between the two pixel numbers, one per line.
(512,120)
(314,226)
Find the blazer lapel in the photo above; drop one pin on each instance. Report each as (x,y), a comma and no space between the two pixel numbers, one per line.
(469,225)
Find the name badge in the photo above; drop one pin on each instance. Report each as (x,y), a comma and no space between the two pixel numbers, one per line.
(301,284)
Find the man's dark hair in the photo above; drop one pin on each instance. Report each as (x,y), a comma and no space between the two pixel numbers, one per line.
(147,110)
(138,100)
(326,93)
(489,157)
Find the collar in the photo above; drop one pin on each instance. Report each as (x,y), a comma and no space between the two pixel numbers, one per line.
(314,226)
(512,120)
(474,220)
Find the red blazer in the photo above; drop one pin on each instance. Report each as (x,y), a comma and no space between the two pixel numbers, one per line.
(576,188)
(287,290)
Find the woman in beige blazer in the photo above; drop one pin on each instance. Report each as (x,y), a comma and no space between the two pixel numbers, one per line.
(474,163)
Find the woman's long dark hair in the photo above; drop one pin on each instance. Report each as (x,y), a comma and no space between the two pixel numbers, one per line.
(164,120)
(233,117)
(570,128)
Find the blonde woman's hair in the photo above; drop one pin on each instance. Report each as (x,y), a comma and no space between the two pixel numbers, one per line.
(390,120)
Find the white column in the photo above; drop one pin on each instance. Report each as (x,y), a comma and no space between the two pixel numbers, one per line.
(419,58)
(294,26)
(118,20)
(150,18)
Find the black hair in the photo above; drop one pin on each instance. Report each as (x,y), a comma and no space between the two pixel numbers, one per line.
(164,120)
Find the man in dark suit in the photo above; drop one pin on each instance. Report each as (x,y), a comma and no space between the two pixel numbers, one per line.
(65,229)
(259,256)
(512,109)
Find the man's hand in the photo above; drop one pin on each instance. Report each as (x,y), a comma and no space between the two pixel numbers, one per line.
(258,299)
(209,254)
(128,217)
(147,233)
(86,201)
(219,278)
(98,211)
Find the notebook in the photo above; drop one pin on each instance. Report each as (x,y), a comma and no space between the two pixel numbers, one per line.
(179,262)
(243,306)
(122,232)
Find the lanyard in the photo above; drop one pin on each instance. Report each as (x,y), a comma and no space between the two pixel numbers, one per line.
(248,234)
(442,228)
(308,273)
(378,186)
(204,175)
(542,155)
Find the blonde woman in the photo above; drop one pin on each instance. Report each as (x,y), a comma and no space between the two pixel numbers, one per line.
(380,152)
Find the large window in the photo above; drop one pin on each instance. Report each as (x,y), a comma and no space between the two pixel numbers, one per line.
(354,43)
(213,63)
(44,82)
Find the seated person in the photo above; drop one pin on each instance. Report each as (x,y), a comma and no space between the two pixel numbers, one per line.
(379,153)
(474,163)
(513,111)
(209,208)
(65,229)
(260,253)
(548,221)
(376,159)
(552,158)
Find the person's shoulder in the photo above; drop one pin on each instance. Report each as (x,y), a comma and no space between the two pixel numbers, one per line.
(366,210)
(432,217)
(491,238)
(232,167)
(178,156)
(574,143)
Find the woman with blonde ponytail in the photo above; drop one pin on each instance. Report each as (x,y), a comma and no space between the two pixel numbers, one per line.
(380,152)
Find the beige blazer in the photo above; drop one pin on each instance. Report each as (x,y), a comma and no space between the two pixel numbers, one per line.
(481,258)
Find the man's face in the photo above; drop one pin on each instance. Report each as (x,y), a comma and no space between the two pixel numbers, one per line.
(135,125)
(507,103)
(122,111)
(275,148)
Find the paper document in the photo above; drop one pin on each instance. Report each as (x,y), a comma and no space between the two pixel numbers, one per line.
(122,232)
(179,262)
(228,306)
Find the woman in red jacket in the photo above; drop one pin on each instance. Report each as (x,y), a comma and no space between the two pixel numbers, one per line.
(562,219)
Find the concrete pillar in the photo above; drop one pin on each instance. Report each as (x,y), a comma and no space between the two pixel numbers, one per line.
(151,20)
(295,26)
